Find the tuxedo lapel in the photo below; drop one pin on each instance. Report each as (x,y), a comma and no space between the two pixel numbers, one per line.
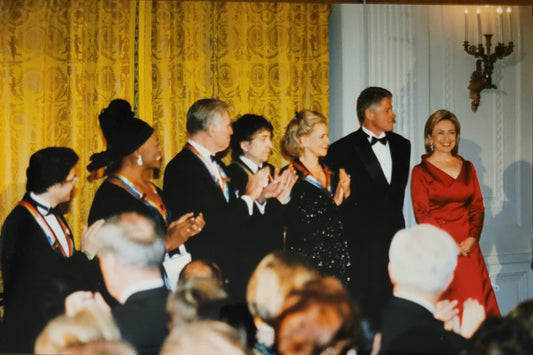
(205,179)
(369,159)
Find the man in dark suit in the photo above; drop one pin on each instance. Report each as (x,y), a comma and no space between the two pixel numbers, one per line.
(130,251)
(377,160)
(251,147)
(196,180)
(422,262)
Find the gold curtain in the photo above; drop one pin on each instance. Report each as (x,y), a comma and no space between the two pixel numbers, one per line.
(62,61)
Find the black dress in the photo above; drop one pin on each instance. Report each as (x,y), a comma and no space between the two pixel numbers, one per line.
(314,226)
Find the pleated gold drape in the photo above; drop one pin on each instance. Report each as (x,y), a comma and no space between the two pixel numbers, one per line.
(62,61)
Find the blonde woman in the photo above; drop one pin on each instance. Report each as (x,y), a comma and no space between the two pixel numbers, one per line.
(313,220)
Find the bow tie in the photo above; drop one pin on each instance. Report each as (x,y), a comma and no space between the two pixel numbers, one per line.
(382,140)
(47,210)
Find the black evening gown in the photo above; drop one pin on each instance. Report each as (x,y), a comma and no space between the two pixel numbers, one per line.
(314,226)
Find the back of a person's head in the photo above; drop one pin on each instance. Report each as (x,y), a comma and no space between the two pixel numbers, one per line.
(316,317)
(422,258)
(275,276)
(201,269)
(204,337)
(133,240)
(89,324)
(524,313)
(48,167)
(100,347)
(183,304)
(500,336)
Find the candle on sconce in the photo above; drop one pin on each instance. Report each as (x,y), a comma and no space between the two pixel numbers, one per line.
(479,26)
(466,25)
(510,26)
(500,19)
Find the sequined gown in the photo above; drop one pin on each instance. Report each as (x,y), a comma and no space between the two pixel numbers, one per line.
(456,205)
(314,227)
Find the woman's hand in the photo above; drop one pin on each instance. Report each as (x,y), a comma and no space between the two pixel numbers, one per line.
(466,246)
(182,229)
(343,188)
(89,239)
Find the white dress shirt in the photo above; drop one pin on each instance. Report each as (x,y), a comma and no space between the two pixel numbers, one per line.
(382,152)
(52,221)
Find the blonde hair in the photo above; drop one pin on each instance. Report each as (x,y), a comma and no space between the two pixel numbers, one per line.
(276,275)
(436,117)
(89,324)
(301,125)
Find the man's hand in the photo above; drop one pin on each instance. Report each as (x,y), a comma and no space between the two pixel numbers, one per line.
(179,231)
(89,239)
(257,182)
(81,300)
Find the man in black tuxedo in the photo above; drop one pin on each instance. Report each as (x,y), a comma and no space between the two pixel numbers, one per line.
(196,180)
(377,160)
(422,263)
(130,251)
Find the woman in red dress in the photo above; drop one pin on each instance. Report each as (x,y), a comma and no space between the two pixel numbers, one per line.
(446,193)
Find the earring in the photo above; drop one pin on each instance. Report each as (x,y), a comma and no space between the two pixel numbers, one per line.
(431,145)
(139,160)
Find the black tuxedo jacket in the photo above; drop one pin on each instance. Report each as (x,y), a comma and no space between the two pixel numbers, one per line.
(373,212)
(36,279)
(408,328)
(189,187)
(142,320)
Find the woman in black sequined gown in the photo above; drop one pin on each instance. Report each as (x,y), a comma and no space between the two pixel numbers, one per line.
(312,217)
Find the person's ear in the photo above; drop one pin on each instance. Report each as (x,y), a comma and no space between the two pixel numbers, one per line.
(369,114)
(244,146)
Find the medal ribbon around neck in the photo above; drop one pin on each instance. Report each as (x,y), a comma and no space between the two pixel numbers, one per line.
(222,180)
(50,235)
(312,180)
(151,204)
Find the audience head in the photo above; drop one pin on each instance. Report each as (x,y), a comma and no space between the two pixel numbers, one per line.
(300,126)
(276,275)
(90,324)
(201,269)
(252,137)
(130,247)
(184,303)
(204,337)
(371,99)
(100,347)
(422,258)
(432,121)
(524,313)
(498,336)
(49,167)
(318,318)
(125,135)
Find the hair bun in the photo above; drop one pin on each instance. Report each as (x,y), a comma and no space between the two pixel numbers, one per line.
(113,116)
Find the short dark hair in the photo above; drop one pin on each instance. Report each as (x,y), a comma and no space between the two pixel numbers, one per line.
(244,129)
(49,166)
(202,114)
(369,97)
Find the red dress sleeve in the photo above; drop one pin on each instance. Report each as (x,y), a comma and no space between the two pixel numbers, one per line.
(476,209)
(420,181)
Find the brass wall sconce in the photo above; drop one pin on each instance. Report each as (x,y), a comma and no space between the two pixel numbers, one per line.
(481,78)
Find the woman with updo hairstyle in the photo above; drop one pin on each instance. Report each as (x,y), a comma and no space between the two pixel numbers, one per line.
(132,154)
(312,217)
(445,192)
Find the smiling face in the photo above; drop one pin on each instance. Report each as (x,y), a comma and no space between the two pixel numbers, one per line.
(317,141)
(381,118)
(259,148)
(444,137)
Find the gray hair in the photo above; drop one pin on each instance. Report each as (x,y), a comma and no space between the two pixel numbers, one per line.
(133,240)
(423,258)
(203,113)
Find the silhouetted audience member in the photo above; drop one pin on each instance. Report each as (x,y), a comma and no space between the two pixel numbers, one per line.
(183,304)
(421,266)
(273,279)
(524,313)
(500,336)
(319,318)
(204,337)
(203,269)
(89,324)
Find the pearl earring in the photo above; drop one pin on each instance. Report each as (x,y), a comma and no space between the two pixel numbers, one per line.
(139,160)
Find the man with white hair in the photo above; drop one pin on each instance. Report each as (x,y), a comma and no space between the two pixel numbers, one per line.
(421,266)
(130,250)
